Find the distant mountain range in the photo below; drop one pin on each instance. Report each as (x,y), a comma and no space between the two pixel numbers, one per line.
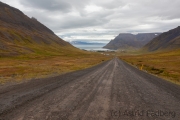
(20,34)
(130,41)
(86,43)
(166,41)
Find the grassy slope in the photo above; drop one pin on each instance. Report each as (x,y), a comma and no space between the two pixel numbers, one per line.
(28,49)
(23,57)
(44,64)
(164,64)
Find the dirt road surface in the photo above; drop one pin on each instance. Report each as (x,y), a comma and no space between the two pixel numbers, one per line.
(112,90)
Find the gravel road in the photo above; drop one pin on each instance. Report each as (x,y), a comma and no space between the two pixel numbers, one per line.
(112,90)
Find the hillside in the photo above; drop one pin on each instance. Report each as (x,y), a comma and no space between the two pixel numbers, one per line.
(166,41)
(163,64)
(20,34)
(128,40)
(30,50)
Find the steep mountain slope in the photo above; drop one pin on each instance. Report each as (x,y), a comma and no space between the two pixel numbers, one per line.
(127,40)
(166,41)
(20,34)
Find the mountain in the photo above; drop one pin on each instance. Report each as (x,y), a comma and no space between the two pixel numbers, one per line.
(85,43)
(128,40)
(20,34)
(166,41)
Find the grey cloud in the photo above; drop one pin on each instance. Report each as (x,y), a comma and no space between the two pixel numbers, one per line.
(50,5)
(70,17)
(82,22)
(81,33)
(112,4)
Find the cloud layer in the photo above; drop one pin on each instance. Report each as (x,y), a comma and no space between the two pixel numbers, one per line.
(101,20)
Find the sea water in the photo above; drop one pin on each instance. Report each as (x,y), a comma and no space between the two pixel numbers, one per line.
(91,47)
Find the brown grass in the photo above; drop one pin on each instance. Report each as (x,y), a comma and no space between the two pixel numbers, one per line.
(164,64)
(28,67)
(32,53)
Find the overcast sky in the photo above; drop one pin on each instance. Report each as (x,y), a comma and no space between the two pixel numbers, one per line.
(101,19)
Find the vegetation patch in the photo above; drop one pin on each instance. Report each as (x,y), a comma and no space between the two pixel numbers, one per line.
(163,64)
(45,62)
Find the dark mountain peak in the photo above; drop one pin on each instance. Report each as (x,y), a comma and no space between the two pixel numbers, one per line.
(128,40)
(15,17)
(125,34)
(33,18)
(7,6)
(174,31)
(167,40)
(18,33)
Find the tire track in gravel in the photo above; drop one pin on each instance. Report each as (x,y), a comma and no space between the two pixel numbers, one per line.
(113,90)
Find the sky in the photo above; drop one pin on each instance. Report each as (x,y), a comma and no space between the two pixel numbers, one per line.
(101,20)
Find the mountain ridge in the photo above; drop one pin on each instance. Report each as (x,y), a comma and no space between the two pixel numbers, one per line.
(166,41)
(20,34)
(128,40)
(86,43)
(14,16)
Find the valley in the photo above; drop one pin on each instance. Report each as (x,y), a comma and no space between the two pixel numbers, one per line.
(44,77)
(28,49)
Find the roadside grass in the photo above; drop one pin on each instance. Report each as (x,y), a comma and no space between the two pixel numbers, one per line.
(27,54)
(46,63)
(162,64)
